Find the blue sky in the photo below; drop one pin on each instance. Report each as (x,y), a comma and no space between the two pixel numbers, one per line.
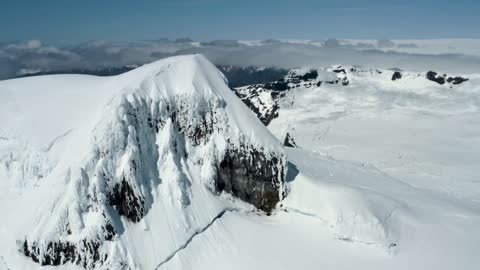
(71,21)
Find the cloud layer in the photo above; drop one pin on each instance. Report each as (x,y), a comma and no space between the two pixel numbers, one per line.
(32,56)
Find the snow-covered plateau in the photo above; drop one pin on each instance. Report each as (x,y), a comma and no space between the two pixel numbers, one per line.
(164,167)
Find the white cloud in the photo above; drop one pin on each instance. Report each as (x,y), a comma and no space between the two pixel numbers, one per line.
(34,55)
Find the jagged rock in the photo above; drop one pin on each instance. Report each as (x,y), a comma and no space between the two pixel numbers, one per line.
(432,76)
(456,80)
(126,202)
(397,75)
(289,141)
(261,101)
(85,253)
(279,85)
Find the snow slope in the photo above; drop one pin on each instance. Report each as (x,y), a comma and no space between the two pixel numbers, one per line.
(342,215)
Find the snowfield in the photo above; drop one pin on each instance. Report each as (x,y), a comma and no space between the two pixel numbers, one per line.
(341,215)
(164,167)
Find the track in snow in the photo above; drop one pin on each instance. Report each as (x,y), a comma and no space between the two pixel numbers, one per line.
(4,266)
(190,239)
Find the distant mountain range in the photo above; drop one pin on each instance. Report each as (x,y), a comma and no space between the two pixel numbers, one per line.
(236,75)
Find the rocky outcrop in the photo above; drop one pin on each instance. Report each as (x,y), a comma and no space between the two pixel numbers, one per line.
(252,176)
(397,75)
(262,101)
(126,202)
(433,76)
(456,80)
(289,141)
(86,252)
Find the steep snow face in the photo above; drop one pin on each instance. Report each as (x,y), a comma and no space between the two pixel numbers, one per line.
(117,172)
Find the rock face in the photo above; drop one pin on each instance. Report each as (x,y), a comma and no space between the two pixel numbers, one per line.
(244,171)
(161,130)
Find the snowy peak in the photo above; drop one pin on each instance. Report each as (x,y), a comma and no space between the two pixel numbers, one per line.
(169,135)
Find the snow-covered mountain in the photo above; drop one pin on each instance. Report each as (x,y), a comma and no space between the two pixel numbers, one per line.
(163,167)
(104,168)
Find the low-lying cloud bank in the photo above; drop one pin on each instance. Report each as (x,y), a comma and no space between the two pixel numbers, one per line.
(20,58)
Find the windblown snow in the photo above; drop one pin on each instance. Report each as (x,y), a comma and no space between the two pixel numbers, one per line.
(164,167)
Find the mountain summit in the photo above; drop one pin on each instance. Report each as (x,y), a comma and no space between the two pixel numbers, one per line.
(113,162)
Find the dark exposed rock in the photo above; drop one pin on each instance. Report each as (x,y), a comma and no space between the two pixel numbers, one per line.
(397,75)
(456,80)
(126,202)
(311,75)
(271,115)
(340,70)
(58,253)
(252,176)
(296,78)
(85,253)
(279,85)
(267,112)
(289,141)
(432,76)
